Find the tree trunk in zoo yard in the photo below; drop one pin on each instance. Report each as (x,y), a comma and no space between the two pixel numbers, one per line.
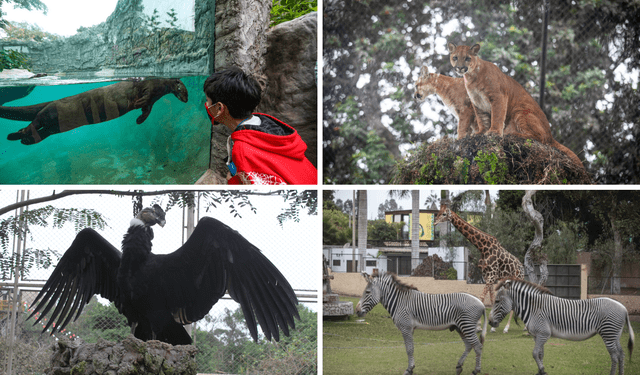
(534,253)
(616,264)
(362,226)
(415,229)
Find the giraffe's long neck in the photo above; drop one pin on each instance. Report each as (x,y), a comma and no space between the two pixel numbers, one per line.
(478,238)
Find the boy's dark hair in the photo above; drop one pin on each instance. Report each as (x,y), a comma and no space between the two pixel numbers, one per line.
(234,88)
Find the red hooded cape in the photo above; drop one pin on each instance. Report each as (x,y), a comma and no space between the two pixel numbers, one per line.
(263,158)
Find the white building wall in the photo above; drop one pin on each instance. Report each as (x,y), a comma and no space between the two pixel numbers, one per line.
(343,254)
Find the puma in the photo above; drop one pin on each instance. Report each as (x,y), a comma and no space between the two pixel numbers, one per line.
(454,96)
(501,105)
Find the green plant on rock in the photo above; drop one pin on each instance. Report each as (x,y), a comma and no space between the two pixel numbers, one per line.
(461,169)
(431,172)
(13,60)
(491,168)
(287,10)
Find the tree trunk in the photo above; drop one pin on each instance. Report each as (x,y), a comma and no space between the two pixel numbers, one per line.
(616,264)
(534,254)
(415,229)
(362,227)
(353,234)
(487,202)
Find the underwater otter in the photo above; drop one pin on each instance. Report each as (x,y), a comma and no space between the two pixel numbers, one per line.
(91,107)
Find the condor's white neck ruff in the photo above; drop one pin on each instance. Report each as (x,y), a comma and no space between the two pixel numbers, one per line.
(136,222)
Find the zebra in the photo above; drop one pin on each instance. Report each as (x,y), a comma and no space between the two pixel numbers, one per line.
(411,309)
(546,315)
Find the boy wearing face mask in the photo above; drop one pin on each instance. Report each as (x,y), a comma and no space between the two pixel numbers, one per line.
(261,148)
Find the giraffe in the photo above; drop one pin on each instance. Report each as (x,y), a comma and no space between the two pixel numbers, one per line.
(496,262)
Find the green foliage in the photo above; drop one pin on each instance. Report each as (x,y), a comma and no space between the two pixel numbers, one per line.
(492,169)
(380,230)
(26,31)
(296,354)
(25,4)
(373,154)
(96,321)
(237,200)
(452,274)
(153,21)
(21,226)
(173,18)
(461,168)
(335,227)
(287,10)
(497,160)
(431,168)
(226,346)
(564,241)
(376,157)
(13,60)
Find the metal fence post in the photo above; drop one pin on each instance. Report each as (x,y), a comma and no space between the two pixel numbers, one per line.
(13,310)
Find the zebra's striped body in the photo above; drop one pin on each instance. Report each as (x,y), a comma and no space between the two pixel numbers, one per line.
(545,316)
(411,309)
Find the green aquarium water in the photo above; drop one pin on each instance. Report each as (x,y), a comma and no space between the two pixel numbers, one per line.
(170,147)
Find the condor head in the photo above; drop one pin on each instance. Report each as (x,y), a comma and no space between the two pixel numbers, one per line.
(150,216)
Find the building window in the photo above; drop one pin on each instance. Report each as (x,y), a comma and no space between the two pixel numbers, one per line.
(371,263)
(336,262)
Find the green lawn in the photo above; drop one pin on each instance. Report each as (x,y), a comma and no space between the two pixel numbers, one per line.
(375,346)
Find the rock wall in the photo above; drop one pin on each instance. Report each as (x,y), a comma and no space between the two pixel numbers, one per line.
(131,356)
(290,70)
(126,44)
(284,60)
(240,36)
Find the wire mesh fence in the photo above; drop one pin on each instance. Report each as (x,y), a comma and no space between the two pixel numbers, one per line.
(584,75)
(222,337)
(629,286)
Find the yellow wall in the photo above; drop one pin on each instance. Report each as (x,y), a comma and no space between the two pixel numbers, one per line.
(426,221)
(388,218)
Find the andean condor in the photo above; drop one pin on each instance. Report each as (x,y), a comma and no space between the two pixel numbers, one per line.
(158,293)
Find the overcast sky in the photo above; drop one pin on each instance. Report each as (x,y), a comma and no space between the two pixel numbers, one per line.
(64,17)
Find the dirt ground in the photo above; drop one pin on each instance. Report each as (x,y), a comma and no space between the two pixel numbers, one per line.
(353,284)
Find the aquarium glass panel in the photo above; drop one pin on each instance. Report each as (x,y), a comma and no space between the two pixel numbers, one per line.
(171,146)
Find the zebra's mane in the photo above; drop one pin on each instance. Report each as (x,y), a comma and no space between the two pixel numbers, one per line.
(529,285)
(399,284)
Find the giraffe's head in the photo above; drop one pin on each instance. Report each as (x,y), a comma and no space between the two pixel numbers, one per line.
(443,215)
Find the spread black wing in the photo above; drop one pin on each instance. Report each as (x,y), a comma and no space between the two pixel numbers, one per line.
(214,259)
(88,267)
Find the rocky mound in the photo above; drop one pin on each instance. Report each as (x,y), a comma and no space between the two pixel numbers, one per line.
(482,159)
